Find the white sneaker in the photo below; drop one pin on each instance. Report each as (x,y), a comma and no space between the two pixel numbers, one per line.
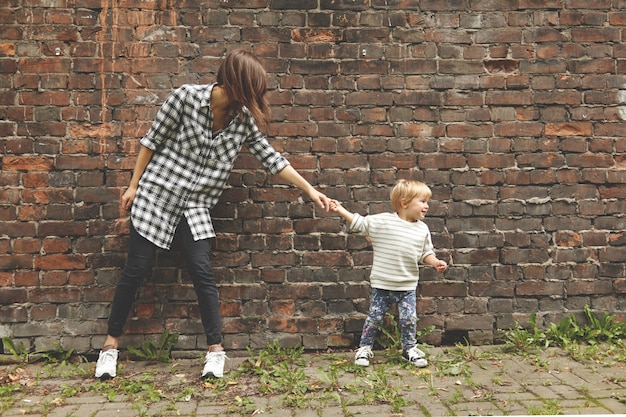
(415,356)
(106,368)
(214,364)
(362,356)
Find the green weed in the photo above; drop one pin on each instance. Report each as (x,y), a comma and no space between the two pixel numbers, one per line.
(7,396)
(549,407)
(62,363)
(241,406)
(186,394)
(68,391)
(272,355)
(383,391)
(19,352)
(580,340)
(160,351)
(104,388)
(56,355)
(520,340)
(141,389)
(280,372)
(598,329)
(141,409)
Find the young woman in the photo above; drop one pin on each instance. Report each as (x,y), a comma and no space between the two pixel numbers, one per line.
(182,169)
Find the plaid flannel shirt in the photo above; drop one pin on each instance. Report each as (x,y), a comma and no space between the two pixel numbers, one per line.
(191,165)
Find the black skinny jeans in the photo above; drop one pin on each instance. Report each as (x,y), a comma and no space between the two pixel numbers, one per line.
(139,263)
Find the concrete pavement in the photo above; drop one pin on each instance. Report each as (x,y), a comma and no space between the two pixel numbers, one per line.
(458,381)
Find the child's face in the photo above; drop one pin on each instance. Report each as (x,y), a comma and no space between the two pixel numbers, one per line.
(416,208)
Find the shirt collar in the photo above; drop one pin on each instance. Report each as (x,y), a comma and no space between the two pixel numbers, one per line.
(205,99)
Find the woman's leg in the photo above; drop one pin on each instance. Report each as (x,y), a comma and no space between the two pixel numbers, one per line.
(138,264)
(197,255)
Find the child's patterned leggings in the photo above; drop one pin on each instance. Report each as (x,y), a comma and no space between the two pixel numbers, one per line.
(379,304)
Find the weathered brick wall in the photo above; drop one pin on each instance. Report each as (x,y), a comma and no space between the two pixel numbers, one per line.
(512,110)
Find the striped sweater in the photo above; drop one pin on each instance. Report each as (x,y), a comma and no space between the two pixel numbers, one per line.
(399,246)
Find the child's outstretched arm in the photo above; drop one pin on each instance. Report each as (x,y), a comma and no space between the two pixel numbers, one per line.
(437,263)
(336,207)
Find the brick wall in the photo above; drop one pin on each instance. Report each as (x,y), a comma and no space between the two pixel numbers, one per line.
(511,110)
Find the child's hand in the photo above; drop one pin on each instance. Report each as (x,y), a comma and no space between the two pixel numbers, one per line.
(441,266)
(334,206)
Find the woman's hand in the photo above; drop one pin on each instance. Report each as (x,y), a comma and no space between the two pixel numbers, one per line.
(127,198)
(320,199)
(291,175)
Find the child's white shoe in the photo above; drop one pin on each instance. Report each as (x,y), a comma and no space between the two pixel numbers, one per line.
(415,356)
(363,355)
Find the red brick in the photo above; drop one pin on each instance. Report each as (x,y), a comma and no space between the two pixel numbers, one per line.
(13,314)
(35,179)
(602,35)
(43,312)
(59,98)
(12,295)
(11,262)
(589,287)
(540,288)
(6,279)
(26,279)
(27,163)
(292,325)
(26,245)
(440,289)
(60,262)
(570,239)
(492,161)
(54,278)
(589,160)
(316,35)
(568,129)
(81,277)
(46,196)
(46,65)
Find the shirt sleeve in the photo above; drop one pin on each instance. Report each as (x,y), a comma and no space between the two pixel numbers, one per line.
(359,224)
(260,147)
(429,248)
(167,120)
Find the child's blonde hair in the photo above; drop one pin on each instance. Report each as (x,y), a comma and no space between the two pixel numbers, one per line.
(407,190)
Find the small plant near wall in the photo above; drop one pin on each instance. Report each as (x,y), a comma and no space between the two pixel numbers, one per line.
(160,351)
(580,340)
(18,351)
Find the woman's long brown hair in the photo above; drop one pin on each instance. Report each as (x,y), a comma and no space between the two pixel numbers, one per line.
(243,78)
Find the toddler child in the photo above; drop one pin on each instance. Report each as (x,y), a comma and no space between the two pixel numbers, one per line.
(401,241)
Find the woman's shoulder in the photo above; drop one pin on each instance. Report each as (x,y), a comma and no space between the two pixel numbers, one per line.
(201,91)
(195,87)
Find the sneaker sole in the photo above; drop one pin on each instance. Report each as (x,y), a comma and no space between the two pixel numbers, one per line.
(211,375)
(420,365)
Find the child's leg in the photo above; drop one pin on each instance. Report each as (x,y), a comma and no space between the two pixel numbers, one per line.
(379,304)
(408,319)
